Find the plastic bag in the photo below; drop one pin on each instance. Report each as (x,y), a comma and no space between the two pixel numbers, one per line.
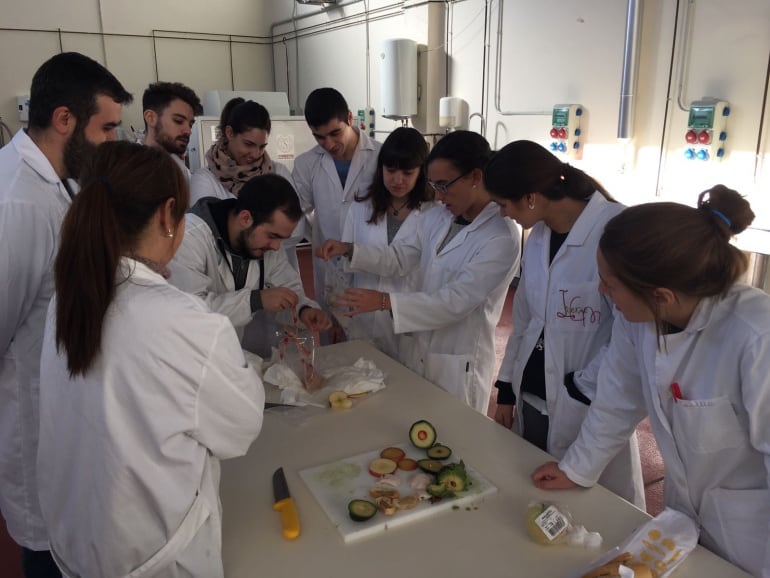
(296,350)
(336,281)
(655,549)
(548,523)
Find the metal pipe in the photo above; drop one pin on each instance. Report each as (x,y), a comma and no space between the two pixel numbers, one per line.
(499,74)
(684,46)
(630,69)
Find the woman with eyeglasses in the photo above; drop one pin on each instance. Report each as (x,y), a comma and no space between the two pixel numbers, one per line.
(561,323)
(465,254)
(390,211)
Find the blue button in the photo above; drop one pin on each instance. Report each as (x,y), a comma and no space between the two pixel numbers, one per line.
(577,132)
(576,145)
(702,155)
(562,147)
(553,146)
(726,111)
(689,153)
(723,136)
(720,153)
(579,112)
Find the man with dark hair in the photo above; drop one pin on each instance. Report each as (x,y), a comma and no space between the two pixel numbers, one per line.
(331,175)
(170,109)
(231,256)
(75,104)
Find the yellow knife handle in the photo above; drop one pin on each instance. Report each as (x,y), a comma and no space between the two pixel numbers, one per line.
(289,517)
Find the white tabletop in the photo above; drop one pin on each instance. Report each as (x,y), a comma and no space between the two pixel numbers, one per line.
(487,542)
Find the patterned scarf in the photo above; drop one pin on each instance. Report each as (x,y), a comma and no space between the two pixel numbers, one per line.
(231,175)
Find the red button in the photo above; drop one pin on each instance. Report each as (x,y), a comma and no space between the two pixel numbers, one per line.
(704,137)
(554,132)
(562,133)
(691,137)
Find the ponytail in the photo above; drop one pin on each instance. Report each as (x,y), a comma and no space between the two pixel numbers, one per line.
(84,273)
(523,167)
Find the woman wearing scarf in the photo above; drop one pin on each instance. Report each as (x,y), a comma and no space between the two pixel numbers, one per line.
(238,155)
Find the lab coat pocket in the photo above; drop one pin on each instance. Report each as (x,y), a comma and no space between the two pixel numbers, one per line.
(735,525)
(577,308)
(452,373)
(708,425)
(564,424)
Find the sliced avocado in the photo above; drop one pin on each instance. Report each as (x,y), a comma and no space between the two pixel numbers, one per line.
(439,452)
(422,434)
(361,510)
(436,490)
(454,477)
(430,466)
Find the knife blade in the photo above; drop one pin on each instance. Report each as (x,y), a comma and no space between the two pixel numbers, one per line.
(284,504)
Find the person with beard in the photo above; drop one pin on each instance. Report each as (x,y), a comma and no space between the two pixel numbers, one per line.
(232,258)
(238,155)
(75,104)
(170,109)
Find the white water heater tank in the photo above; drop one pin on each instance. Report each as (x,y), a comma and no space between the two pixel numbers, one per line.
(398,78)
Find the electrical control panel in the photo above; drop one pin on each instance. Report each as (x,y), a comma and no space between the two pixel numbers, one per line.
(22,102)
(364,120)
(706,130)
(565,132)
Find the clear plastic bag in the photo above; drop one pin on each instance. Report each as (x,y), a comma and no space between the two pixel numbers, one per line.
(296,350)
(336,281)
(549,523)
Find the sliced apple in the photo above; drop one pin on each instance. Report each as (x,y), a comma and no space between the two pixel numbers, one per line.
(340,400)
(381,466)
(395,454)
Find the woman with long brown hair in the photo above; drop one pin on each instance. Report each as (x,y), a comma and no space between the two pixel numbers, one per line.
(691,349)
(391,210)
(561,323)
(142,388)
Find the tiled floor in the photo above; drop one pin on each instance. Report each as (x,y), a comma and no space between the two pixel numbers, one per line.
(652,464)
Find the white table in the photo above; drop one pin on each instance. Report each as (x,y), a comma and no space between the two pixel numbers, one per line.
(489,542)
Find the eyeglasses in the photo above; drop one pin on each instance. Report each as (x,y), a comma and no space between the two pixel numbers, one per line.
(442,187)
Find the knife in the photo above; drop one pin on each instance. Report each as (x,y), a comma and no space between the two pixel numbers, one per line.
(285,504)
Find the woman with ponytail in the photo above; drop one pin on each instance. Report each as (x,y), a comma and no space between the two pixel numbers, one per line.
(561,323)
(142,388)
(691,349)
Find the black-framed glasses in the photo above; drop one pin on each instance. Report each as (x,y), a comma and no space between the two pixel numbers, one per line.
(442,187)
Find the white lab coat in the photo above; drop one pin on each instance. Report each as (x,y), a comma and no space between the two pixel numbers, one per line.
(33,203)
(323,199)
(200,268)
(129,454)
(203,184)
(716,441)
(377,326)
(562,298)
(451,319)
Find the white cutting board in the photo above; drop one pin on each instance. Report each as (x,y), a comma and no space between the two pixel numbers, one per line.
(335,484)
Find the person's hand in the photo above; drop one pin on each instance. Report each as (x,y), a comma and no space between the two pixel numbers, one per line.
(504,415)
(315,319)
(550,477)
(360,301)
(331,248)
(278,299)
(336,334)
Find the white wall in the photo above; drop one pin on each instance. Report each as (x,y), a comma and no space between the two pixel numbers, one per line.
(552,52)
(202,61)
(559,52)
